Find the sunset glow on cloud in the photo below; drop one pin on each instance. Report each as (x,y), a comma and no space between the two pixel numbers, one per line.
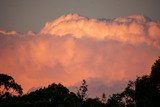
(8,32)
(72,48)
(131,29)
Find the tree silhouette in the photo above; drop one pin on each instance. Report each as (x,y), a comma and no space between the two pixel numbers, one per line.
(8,87)
(82,91)
(115,101)
(155,71)
(155,82)
(125,98)
(144,92)
(104,98)
(128,95)
(148,88)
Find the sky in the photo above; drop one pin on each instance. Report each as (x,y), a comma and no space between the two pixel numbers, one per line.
(24,15)
(105,42)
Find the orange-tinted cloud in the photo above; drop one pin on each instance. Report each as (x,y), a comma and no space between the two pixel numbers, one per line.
(131,29)
(106,57)
(8,32)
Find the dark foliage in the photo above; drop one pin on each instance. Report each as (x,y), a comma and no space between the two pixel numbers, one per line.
(82,91)
(148,88)
(144,92)
(8,87)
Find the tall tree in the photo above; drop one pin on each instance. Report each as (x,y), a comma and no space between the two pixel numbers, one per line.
(155,81)
(104,98)
(155,71)
(148,88)
(125,98)
(82,91)
(128,95)
(144,92)
(8,87)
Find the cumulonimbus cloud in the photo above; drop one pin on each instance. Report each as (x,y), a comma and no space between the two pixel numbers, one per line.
(72,48)
(131,29)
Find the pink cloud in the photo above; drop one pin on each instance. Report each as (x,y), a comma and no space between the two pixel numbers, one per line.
(8,32)
(101,52)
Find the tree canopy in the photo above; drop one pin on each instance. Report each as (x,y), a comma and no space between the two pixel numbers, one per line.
(143,92)
(8,86)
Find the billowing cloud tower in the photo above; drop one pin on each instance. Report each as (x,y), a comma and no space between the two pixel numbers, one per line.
(131,29)
(105,52)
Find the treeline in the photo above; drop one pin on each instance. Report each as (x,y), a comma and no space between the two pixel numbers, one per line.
(143,92)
